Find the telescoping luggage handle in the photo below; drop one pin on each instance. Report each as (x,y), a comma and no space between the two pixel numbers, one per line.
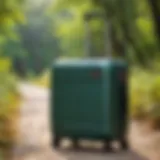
(107,33)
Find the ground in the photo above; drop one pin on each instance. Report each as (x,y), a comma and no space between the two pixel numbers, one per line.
(34,139)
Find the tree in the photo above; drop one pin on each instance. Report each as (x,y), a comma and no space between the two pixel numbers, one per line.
(11,13)
(128,25)
(38,40)
(155,8)
(31,46)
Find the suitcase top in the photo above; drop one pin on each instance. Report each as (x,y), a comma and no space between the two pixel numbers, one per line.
(90,62)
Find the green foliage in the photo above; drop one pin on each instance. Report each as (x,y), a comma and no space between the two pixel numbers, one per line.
(61,4)
(9,101)
(145,95)
(38,41)
(139,94)
(10,14)
(34,45)
(133,25)
(71,31)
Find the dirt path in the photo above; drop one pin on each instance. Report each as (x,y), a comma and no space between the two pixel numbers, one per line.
(34,125)
(35,134)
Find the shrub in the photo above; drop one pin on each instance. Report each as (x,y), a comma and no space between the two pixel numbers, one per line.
(145,96)
(138,94)
(9,103)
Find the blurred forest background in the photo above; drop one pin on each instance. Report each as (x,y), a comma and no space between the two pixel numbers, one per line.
(34,33)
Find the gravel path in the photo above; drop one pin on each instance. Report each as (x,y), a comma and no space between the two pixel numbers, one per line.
(35,134)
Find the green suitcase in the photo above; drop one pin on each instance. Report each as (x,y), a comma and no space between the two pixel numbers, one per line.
(89,100)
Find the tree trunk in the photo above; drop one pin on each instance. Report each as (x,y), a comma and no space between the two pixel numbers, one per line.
(155,8)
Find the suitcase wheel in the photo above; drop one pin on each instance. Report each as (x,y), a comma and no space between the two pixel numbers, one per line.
(75,143)
(108,146)
(124,144)
(56,142)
